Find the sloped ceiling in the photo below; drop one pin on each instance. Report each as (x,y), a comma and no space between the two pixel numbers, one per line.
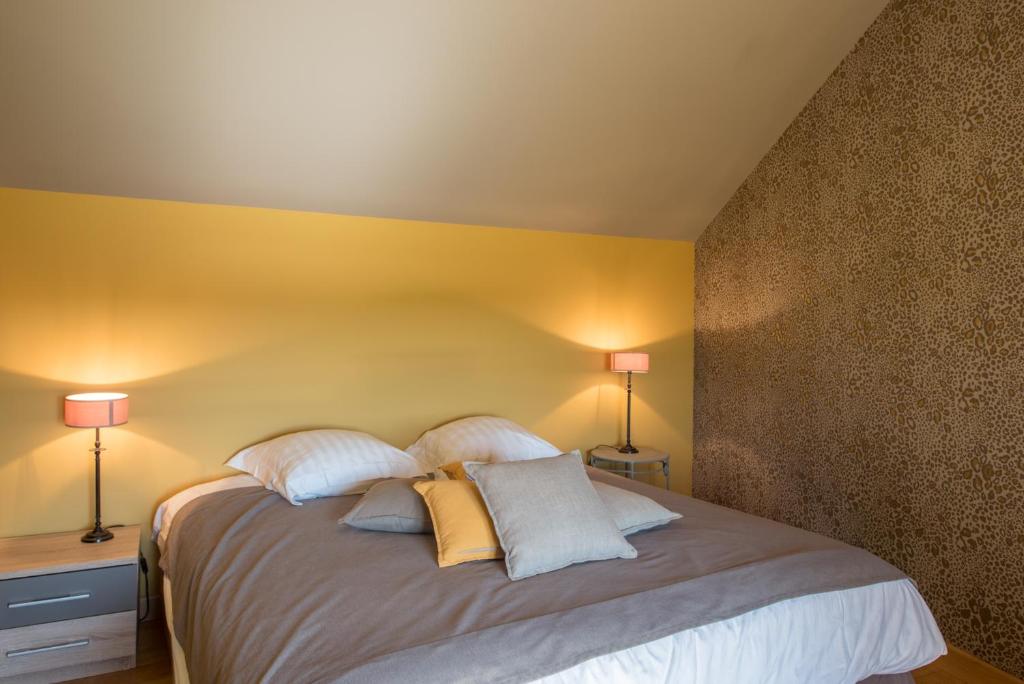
(636,117)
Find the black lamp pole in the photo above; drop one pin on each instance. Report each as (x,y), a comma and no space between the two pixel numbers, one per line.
(97,534)
(628,448)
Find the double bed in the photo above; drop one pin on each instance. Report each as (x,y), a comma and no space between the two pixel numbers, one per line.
(259,590)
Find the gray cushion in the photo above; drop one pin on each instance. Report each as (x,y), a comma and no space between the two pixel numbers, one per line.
(547,515)
(633,512)
(391,506)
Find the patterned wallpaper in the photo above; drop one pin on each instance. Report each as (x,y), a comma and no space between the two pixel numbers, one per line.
(860,317)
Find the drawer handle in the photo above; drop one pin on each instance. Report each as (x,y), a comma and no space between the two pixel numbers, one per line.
(46,601)
(45,649)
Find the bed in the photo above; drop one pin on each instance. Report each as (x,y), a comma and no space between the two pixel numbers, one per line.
(258,590)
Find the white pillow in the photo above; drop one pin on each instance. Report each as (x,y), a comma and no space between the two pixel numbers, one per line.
(480,438)
(317,463)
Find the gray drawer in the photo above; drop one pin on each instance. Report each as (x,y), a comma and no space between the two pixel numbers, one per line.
(57,651)
(67,595)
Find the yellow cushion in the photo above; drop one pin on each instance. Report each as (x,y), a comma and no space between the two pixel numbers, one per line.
(454,471)
(462,527)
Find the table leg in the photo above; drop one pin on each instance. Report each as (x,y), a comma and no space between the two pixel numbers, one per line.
(664,469)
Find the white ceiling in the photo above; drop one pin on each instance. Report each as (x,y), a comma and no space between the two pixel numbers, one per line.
(629,117)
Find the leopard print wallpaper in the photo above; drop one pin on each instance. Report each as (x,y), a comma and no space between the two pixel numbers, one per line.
(860,317)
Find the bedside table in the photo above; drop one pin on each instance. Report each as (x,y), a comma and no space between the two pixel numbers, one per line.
(625,464)
(67,609)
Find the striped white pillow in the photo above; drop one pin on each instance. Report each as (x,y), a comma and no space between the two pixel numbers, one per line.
(318,463)
(480,438)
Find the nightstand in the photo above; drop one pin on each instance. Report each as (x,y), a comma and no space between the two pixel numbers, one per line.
(625,464)
(67,609)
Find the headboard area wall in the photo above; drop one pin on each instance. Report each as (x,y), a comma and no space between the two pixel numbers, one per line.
(860,318)
(228,325)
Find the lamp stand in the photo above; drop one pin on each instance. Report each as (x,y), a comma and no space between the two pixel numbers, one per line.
(97,534)
(629,448)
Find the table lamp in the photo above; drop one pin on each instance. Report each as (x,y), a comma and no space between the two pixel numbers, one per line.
(96,410)
(629,363)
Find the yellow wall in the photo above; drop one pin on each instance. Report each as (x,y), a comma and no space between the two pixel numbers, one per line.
(227,325)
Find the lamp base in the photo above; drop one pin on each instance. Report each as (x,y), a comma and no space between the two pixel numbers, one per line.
(628,449)
(97,535)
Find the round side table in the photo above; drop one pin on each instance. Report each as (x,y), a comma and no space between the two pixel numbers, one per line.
(625,464)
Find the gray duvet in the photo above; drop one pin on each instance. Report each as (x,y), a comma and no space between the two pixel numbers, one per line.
(266,591)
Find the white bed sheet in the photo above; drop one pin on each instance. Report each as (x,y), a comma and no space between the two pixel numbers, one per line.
(838,637)
(168,509)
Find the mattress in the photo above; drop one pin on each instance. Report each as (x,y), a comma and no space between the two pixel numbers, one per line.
(834,636)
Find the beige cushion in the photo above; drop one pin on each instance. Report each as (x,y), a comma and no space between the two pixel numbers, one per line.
(391,506)
(547,515)
(633,512)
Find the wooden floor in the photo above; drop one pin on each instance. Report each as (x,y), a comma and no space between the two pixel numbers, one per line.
(154,665)
(961,668)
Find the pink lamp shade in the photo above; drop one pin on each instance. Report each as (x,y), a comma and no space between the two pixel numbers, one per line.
(95,409)
(637,362)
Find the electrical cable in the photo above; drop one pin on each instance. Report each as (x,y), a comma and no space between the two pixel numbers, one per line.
(144,566)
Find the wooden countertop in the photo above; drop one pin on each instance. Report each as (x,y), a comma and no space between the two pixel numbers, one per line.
(47,554)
